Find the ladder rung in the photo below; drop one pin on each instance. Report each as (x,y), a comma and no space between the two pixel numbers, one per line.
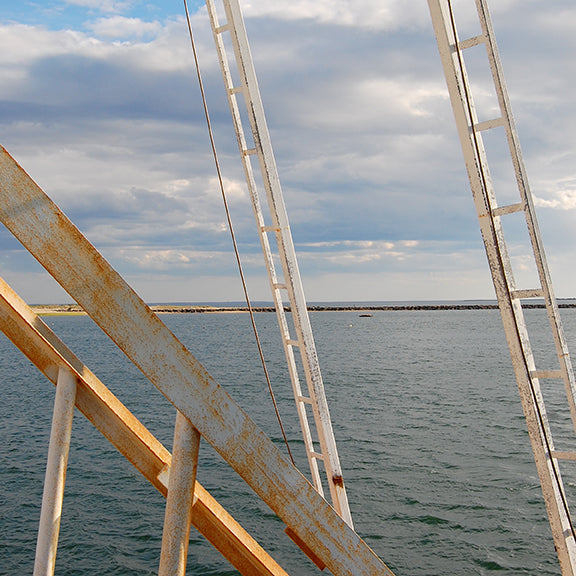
(235,89)
(508,209)
(564,455)
(470,42)
(304,399)
(550,374)
(489,124)
(261,147)
(223,28)
(536,293)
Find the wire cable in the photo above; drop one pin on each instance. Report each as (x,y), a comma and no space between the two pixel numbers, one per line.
(231,228)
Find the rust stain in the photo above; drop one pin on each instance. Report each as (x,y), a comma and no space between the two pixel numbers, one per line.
(338,480)
(35,339)
(116,308)
(305,548)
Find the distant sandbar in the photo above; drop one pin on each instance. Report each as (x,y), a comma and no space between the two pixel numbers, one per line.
(75,309)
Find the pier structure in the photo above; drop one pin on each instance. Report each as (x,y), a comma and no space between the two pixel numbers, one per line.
(204,410)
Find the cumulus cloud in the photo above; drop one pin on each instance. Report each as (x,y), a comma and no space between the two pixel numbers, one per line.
(106,116)
(122,27)
(373,14)
(564,199)
(22,44)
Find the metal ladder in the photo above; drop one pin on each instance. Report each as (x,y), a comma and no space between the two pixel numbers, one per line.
(492,219)
(260,147)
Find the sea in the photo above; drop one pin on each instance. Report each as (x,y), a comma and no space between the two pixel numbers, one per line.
(427,418)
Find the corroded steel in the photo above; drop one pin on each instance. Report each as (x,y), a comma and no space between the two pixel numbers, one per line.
(60,247)
(53,495)
(50,355)
(180,500)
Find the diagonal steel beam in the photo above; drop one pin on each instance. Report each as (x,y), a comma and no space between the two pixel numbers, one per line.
(124,431)
(60,247)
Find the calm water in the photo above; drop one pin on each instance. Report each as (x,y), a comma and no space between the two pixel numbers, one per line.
(426,415)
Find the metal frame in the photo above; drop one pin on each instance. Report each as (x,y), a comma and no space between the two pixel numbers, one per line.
(52,357)
(66,254)
(180,499)
(53,495)
(510,298)
(291,284)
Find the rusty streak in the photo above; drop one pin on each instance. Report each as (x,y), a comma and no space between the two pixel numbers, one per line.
(48,353)
(58,245)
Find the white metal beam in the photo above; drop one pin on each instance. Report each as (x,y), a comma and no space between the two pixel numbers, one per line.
(509,296)
(176,535)
(53,495)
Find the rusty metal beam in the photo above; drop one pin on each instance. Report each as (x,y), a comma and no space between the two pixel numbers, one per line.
(124,431)
(68,256)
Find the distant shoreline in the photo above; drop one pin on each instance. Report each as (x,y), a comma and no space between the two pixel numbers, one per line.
(74,309)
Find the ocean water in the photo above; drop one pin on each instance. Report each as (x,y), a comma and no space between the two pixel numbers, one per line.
(426,414)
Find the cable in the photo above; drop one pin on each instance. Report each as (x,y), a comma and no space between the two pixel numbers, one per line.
(231,228)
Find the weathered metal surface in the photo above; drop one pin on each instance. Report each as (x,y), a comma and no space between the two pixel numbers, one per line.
(302,545)
(291,282)
(53,495)
(127,434)
(60,247)
(527,375)
(180,499)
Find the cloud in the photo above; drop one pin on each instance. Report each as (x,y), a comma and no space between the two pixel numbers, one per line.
(358,13)
(106,117)
(369,14)
(102,5)
(122,27)
(562,20)
(564,199)
(175,260)
(21,45)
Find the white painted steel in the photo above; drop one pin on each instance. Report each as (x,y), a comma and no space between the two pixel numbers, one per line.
(180,499)
(291,283)
(51,513)
(509,297)
(73,262)
(265,243)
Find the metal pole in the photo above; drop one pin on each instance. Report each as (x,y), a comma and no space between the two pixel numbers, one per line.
(180,498)
(60,247)
(55,474)
(128,435)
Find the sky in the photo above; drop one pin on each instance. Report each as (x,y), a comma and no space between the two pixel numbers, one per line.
(100,104)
